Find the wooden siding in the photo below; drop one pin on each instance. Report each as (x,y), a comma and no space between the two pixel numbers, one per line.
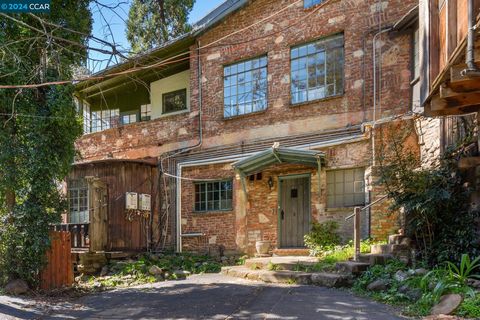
(58,272)
(122,177)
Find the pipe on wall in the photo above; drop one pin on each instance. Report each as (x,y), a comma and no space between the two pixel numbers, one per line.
(472,70)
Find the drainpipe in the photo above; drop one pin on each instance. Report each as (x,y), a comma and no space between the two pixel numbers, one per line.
(472,70)
(375,90)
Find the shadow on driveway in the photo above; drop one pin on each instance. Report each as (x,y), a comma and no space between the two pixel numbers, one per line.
(221,297)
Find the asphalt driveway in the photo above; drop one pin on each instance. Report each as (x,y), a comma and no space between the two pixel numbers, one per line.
(205,297)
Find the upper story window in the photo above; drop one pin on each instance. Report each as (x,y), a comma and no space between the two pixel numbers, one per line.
(245,87)
(317,69)
(345,188)
(105,119)
(145,112)
(311,3)
(174,101)
(129,117)
(213,196)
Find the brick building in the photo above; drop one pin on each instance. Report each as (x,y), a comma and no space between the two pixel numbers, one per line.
(252,126)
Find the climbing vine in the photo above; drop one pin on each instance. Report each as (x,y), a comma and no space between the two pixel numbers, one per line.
(433,199)
(38,127)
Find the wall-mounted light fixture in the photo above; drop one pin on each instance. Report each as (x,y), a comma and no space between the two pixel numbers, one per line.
(270,182)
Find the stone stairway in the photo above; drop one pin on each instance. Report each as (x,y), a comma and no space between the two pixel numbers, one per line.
(291,269)
(288,269)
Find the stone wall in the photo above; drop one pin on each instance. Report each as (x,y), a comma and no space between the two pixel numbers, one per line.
(429,140)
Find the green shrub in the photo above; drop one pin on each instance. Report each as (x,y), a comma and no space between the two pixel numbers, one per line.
(470,307)
(323,236)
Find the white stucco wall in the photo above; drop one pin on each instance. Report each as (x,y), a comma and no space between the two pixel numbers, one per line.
(158,88)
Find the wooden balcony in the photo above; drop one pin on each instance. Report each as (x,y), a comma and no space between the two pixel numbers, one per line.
(451,92)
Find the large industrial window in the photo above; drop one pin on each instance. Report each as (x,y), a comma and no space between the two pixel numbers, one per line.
(311,3)
(245,87)
(213,196)
(317,70)
(345,188)
(174,101)
(105,119)
(78,201)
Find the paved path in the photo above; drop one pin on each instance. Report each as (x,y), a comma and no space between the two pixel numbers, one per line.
(208,297)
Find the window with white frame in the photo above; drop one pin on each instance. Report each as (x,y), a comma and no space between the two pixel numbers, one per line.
(311,3)
(78,201)
(145,112)
(105,119)
(346,187)
(213,196)
(245,87)
(317,69)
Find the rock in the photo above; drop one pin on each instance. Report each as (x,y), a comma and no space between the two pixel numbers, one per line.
(181,274)
(378,285)
(447,304)
(330,280)
(475,284)
(16,287)
(155,271)
(442,317)
(104,271)
(414,294)
(420,271)
(401,276)
(406,242)
(224,259)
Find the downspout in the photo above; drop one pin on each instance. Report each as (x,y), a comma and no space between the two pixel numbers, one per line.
(472,70)
(375,90)
(199,144)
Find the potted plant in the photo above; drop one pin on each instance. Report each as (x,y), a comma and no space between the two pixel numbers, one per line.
(262,246)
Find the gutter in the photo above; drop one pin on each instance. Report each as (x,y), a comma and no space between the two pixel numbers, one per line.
(472,70)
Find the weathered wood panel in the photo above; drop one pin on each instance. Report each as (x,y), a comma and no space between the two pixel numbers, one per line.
(122,177)
(58,272)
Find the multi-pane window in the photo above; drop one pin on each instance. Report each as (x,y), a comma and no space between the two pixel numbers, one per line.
(174,101)
(345,188)
(145,112)
(311,3)
(128,118)
(245,87)
(213,196)
(87,124)
(78,201)
(105,119)
(317,69)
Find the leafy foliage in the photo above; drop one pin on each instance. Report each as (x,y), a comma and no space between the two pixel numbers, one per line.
(151,23)
(470,307)
(38,127)
(466,269)
(323,236)
(431,198)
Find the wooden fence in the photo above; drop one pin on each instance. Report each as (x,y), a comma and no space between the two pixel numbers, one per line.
(59,270)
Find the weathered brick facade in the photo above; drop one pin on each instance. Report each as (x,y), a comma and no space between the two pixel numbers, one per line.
(233,40)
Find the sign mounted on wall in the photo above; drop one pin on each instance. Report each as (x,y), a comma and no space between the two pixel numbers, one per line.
(131,201)
(145,202)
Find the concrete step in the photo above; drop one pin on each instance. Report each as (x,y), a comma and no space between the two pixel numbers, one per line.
(374,259)
(291,252)
(331,280)
(388,248)
(352,267)
(291,263)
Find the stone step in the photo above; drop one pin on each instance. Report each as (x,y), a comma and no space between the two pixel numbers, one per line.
(291,252)
(291,263)
(352,267)
(331,280)
(374,259)
(388,248)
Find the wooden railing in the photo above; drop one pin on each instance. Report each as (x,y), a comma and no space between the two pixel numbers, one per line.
(79,233)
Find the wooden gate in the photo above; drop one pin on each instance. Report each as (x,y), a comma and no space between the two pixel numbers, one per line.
(59,270)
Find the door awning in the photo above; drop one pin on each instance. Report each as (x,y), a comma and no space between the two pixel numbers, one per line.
(275,155)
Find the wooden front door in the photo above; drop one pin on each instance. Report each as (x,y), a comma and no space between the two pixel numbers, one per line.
(294,210)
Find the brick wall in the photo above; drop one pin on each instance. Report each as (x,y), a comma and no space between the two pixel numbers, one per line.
(358,20)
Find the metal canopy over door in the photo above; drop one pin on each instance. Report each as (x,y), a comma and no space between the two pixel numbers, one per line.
(294,210)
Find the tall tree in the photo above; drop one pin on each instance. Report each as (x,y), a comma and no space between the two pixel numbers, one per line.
(154,22)
(38,128)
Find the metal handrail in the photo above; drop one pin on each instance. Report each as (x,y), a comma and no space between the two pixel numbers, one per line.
(367,206)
